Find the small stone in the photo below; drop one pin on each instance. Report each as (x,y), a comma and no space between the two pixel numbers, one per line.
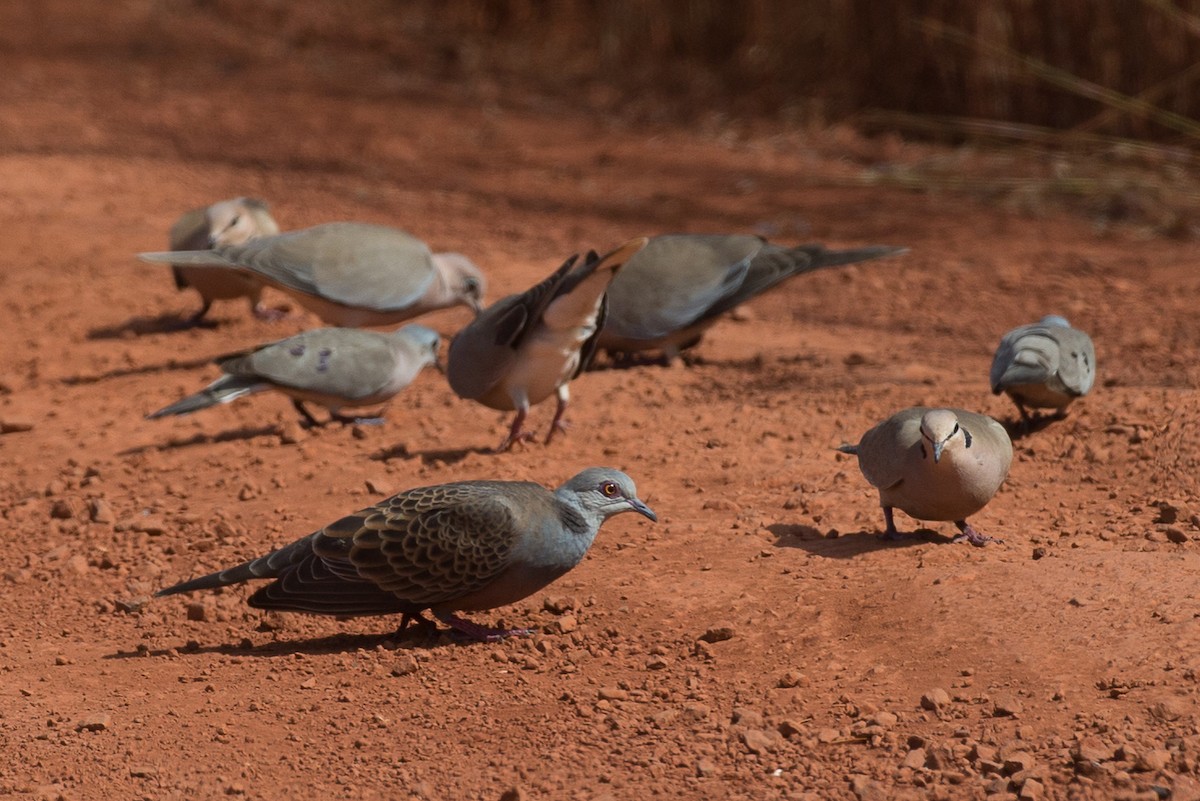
(99,511)
(612,694)
(404,664)
(290,433)
(885,719)
(78,564)
(747,717)
(1017,762)
(867,789)
(915,759)
(1155,759)
(759,741)
(98,722)
(935,699)
(695,712)
(1176,535)
(143,771)
(558,605)
(61,510)
(309,683)
(512,794)
(791,728)
(12,425)
(564,625)
(1091,749)
(717,634)
(1004,706)
(705,767)
(196,610)
(657,663)
(1031,790)
(828,735)
(793,678)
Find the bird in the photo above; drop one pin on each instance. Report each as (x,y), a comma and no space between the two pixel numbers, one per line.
(679,285)
(935,464)
(461,547)
(333,367)
(227,222)
(527,346)
(349,274)
(1044,365)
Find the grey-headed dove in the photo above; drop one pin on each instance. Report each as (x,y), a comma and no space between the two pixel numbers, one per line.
(525,347)
(1044,365)
(350,274)
(935,464)
(227,222)
(679,285)
(334,367)
(461,547)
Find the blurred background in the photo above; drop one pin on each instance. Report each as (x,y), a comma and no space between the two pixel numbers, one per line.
(1099,97)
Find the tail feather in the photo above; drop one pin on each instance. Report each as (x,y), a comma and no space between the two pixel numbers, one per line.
(192,258)
(818,257)
(223,390)
(264,567)
(846,447)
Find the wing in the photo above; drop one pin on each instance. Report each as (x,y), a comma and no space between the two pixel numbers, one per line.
(1077,361)
(674,280)
(1026,355)
(883,452)
(482,353)
(337,362)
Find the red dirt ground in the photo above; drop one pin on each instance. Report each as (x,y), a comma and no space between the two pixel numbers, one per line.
(759,642)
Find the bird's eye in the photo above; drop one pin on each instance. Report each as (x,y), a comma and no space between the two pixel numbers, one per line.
(610,489)
(236,219)
(471,286)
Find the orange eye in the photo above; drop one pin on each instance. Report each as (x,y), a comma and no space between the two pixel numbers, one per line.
(610,489)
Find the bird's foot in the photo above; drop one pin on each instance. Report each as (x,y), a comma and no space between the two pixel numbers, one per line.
(891,535)
(557,425)
(419,622)
(513,439)
(474,631)
(972,535)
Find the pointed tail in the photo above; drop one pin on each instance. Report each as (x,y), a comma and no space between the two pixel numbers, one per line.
(223,390)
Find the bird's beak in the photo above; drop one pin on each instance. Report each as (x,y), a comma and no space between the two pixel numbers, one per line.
(643,509)
(938,447)
(437,363)
(476,306)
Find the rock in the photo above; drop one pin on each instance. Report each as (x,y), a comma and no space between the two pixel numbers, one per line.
(1031,790)
(759,741)
(404,664)
(747,717)
(705,767)
(98,722)
(99,511)
(717,634)
(828,735)
(935,699)
(914,759)
(793,678)
(1091,749)
(867,789)
(61,510)
(512,794)
(885,719)
(1155,759)
(1176,535)
(695,712)
(564,625)
(1004,706)
(612,694)
(78,564)
(1167,710)
(196,610)
(791,728)
(1018,761)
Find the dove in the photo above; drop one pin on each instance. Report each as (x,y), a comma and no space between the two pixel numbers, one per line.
(333,367)
(228,222)
(462,547)
(679,285)
(1044,365)
(349,274)
(525,347)
(935,464)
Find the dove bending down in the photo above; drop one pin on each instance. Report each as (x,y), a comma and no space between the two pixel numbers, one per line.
(333,367)
(525,347)
(679,285)
(935,464)
(1044,365)
(349,274)
(228,222)
(461,547)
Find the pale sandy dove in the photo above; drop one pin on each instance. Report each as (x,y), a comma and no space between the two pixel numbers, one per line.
(228,222)
(935,464)
(526,347)
(334,367)
(1044,365)
(680,284)
(461,547)
(350,274)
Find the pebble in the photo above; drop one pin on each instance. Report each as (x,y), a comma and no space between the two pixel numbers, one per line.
(99,511)
(935,699)
(196,610)
(14,425)
(404,664)
(759,741)
(717,634)
(1005,706)
(747,717)
(612,694)
(98,722)
(914,759)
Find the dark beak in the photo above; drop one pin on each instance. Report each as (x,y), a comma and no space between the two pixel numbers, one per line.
(643,509)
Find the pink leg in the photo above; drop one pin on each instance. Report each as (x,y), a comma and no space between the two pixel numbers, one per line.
(478,632)
(972,534)
(557,424)
(515,432)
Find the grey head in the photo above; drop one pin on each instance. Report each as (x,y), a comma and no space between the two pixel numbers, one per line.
(463,279)
(424,339)
(598,493)
(1054,319)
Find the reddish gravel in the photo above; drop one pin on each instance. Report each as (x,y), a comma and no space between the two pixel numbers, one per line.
(759,642)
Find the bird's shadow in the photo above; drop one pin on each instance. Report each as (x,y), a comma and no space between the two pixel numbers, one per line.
(141,326)
(847,546)
(234,435)
(1018,429)
(447,456)
(412,640)
(141,369)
